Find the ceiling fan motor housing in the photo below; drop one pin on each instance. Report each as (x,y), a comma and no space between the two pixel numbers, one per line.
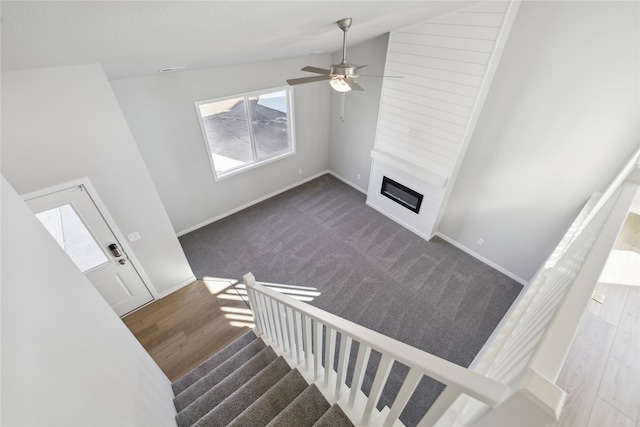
(346,70)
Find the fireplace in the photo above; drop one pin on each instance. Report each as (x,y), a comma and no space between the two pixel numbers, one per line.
(401,194)
(406,192)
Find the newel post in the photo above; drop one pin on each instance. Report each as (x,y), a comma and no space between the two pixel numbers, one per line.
(250,281)
(537,402)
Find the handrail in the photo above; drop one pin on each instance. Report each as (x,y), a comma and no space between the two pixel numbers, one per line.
(552,351)
(627,170)
(462,380)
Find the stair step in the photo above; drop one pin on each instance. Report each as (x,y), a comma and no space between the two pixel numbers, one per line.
(225,388)
(236,403)
(334,417)
(270,404)
(204,384)
(303,411)
(213,362)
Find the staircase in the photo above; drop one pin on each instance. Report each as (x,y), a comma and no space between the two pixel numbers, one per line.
(247,384)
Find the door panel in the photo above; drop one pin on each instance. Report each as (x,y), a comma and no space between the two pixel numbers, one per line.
(113,289)
(80,229)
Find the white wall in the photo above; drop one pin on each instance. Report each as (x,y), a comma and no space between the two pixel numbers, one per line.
(560,120)
(161,113)
(61,124)
(353,139)
(67,359)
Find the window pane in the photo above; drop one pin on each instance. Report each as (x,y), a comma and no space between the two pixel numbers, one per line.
(270,124)
(227,132)
(71,234)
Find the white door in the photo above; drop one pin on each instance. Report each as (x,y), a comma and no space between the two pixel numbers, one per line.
(75,222)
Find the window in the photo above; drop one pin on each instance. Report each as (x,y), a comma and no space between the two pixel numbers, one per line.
(245,131)
(64,224)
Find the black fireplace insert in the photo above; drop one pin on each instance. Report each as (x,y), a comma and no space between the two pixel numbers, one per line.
(401,194)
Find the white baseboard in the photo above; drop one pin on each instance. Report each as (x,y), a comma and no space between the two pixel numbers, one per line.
(481,258)
(178,286)
(246,205)
(349,183)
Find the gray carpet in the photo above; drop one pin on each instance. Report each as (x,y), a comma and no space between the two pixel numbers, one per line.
(368,269)
(262,391)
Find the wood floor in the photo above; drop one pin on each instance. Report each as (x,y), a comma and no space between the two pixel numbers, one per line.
(602,371)
(185,328)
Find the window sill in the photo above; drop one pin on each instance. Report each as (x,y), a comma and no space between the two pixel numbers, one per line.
(242,169)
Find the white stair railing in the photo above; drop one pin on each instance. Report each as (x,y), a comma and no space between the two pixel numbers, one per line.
(307,335)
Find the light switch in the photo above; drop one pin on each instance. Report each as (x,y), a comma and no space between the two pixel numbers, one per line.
(134,236)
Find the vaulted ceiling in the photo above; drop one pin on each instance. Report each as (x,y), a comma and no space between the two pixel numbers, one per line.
(134,38)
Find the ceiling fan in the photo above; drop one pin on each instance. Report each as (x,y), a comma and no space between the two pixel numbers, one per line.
(341,76)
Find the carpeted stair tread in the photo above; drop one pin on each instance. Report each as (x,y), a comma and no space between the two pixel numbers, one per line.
(204,384)
(237,402)
(213,362)
(334,417)
(225,388)
(270,404)
(303,411)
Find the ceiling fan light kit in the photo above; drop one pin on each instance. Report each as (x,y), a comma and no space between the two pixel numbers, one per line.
(339,85)
(341,76)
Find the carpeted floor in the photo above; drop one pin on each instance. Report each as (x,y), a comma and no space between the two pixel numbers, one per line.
(368,269)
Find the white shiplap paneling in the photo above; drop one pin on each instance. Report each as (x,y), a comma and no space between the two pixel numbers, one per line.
(425,114)
(416,86)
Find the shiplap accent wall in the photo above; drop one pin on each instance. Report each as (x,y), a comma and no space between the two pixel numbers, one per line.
(427,116)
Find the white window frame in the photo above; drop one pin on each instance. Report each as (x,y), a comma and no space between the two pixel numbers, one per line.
(257,163)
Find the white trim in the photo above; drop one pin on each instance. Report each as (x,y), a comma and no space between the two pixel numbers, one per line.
(254,165)
(246,205)
(427,175)
(349,183)
(218,176)
(481,258)
(102,208)
(178,286)
(632,165)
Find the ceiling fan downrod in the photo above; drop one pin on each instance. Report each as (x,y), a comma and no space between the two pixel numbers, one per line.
(344,70)
(344,25)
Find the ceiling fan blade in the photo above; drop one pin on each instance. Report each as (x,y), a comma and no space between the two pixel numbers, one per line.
(353,85)
(316,70)
(371,75)
(360,66)
(307,80)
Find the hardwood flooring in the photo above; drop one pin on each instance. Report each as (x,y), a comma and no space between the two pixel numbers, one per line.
(602,371)
(185,328)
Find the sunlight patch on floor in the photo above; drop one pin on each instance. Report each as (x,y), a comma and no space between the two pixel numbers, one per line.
(242,324)
(237,310)
(215,285)
(230,296)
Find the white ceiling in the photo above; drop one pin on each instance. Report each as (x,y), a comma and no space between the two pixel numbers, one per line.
(133,38)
